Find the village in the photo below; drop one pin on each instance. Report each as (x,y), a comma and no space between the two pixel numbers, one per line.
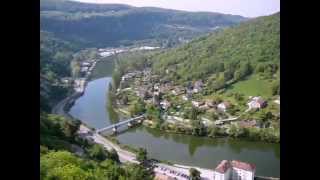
(177,103)
(105,52)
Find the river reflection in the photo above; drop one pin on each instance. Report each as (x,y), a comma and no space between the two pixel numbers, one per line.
(202,151)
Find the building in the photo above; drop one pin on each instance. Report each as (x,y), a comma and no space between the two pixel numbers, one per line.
(224,106)
(257,103)
(248,123)
(242,170)
(234,170)
(197,103)
(178,91)
(223,171)
(142,93)
(165,104)
(198,85)
(86,64)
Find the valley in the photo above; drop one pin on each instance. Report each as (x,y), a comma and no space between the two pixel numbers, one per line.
(205,87)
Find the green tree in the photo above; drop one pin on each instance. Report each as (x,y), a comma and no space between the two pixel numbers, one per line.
(275,88)
(213,131)
(142,154)
(70,127)
(113,155)
(198,128)
(235,131)
(137,172)
(194,174)
(153,112)
(97,152)
(138,107)
(194,113)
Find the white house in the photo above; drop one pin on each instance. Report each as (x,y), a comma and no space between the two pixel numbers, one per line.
(165,104)
(224,106)
(223,171)
(198,85)
(242,170)
(197,103)
(257,103)
(234,170)
(86,64)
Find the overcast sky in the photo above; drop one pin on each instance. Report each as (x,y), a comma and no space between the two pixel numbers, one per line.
(248,8)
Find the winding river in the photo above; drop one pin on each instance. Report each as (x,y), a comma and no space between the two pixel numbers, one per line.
(92,109)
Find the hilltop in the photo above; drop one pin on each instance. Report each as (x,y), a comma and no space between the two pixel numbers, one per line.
(231,55)
(116,24)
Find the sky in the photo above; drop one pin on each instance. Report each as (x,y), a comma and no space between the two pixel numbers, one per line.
(247,8)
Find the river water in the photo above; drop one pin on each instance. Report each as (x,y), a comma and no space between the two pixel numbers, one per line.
(92,109)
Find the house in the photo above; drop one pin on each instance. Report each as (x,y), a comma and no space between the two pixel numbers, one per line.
(204,107)
(164,88)
(165,104)
(223,171)
(211,104)
(84,69)
(156,86)
(142,93)
(178,91)
(257,103)
(242,170)
(197,103)
(224,106)
(186,97)
(198,85)
(248,123)
(85,64)
(234,170)
(66,80)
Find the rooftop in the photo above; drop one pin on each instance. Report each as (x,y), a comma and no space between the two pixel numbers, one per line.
(243,165)
(223,166)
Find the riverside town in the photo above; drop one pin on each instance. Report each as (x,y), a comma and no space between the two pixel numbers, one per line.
(157,93)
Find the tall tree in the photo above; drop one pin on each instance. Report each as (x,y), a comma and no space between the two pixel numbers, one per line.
(194,174)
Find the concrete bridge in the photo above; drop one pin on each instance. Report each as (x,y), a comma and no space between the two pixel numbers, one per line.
(114,126)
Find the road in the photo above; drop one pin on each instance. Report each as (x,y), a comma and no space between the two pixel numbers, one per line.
(124,156)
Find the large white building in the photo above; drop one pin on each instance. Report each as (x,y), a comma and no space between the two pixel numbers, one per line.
(234,170)
(223,171)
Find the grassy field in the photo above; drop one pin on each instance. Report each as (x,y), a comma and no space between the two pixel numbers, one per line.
(252,86)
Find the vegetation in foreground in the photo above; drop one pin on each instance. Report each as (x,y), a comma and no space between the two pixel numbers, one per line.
(63,155)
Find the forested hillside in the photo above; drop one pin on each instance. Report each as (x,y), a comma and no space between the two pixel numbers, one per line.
(225,57)
(113,24)
(55,58)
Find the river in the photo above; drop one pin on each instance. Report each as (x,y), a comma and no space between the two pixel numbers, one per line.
(92,109)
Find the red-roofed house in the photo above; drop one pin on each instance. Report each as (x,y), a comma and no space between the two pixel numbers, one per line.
(242,170)
(257,103)
(223,171)
(234,170)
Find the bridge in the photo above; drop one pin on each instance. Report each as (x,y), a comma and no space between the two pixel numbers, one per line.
(114,126)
